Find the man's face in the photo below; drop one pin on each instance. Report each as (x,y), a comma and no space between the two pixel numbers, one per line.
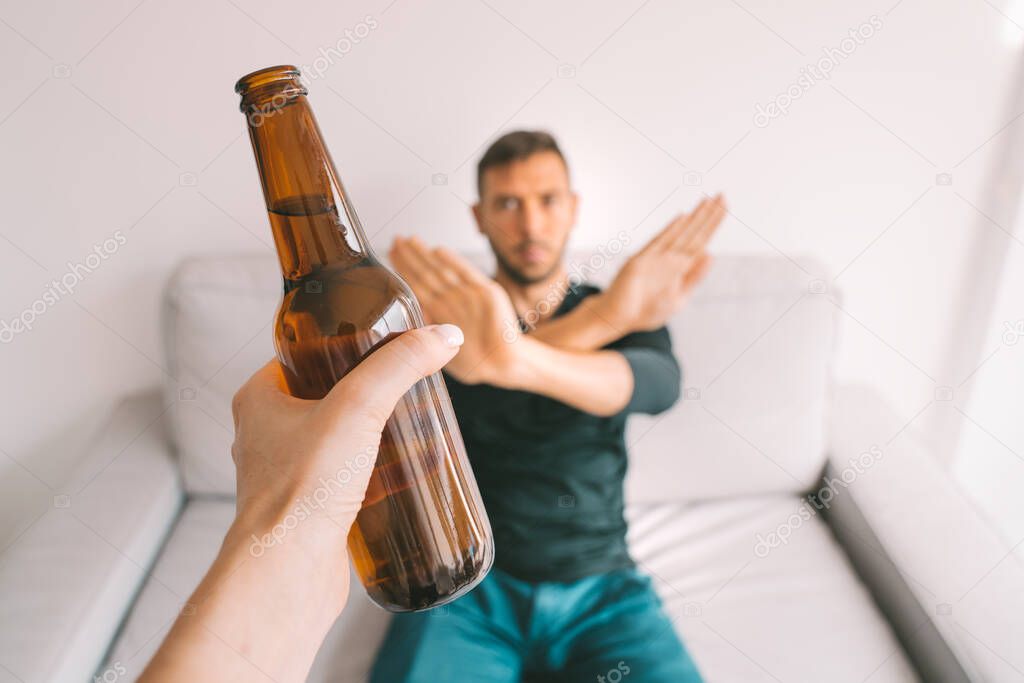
(526,212)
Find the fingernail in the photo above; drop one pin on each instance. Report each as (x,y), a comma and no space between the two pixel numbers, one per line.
(451,334)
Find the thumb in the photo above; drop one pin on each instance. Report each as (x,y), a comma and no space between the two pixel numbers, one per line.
(375,385)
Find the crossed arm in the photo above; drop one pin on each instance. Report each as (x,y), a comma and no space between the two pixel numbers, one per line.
(566,358)
(449,288)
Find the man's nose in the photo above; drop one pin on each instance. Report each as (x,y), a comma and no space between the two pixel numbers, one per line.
(532,222)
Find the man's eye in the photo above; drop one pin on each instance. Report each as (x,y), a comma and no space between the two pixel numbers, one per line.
(550,199)
(508,204)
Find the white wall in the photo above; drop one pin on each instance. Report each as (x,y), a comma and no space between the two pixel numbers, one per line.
(113,109)
(989,458)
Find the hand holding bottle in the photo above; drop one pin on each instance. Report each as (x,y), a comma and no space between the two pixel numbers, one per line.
(309,458)
(262,611)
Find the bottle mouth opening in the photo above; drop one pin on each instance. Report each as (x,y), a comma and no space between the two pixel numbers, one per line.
(266,76)
(259,88)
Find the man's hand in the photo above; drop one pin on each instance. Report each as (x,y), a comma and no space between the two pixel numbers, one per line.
(449,288)
(659,279)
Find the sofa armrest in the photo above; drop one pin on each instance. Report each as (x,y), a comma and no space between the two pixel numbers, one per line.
(68,581)
(952,588)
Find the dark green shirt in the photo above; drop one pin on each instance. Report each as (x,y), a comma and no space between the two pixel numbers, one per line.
(551,476)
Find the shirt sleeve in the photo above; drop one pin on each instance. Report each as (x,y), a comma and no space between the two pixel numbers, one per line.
(656,372)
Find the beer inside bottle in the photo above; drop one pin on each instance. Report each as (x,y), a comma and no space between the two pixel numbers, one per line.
(422,537)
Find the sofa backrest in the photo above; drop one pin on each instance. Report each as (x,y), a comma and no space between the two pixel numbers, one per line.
(756,345)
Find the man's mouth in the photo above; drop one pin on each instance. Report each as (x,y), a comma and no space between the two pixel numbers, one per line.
(532,253)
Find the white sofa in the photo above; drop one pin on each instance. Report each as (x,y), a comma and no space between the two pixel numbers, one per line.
(898,579)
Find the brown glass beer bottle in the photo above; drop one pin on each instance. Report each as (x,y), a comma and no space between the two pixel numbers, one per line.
(422,537)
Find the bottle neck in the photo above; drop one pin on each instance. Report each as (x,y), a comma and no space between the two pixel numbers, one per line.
(311,216)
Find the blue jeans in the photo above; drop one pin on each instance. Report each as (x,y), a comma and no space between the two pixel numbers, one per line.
(605,628)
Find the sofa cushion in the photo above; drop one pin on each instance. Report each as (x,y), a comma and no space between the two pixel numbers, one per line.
(188,553)
(217,331)
(755,609)
(794,612)
(191,548)
(68,580)
(756,345)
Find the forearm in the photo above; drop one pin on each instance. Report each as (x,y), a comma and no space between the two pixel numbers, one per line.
(258,617)
(588,327)
(597,382)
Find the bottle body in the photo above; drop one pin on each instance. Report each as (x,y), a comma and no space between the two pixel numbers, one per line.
(422,537)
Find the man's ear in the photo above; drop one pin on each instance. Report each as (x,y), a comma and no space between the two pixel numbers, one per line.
(478,218)
(575,206)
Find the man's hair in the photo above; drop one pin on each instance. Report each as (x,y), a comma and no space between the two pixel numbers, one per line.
(515,146)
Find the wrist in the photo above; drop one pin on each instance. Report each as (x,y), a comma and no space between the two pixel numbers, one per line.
(607,310)
(522,371)
(299,588)
(311,551)
(291,529)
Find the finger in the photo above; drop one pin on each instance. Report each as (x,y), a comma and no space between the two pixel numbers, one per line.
(399,256)
(452,276)
(462,268)
(395,242)
(661,240)
(711,226)
(704,226)
(672,231)
(426,270)
(267,381)
(696,221)
(698,271)
(411,267)
(374,386)
(400,260)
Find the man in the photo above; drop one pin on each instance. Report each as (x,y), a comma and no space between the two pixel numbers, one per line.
(543,413)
